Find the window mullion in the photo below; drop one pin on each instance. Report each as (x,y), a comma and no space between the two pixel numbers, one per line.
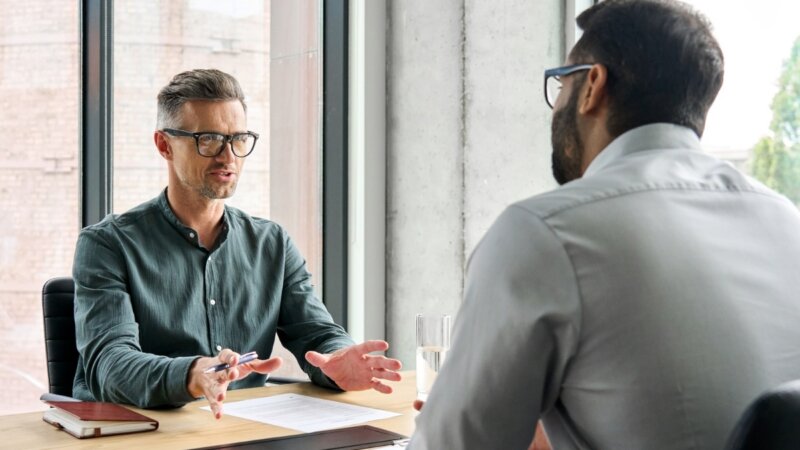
(96,137)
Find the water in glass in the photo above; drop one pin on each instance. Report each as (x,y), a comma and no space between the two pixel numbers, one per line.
(429,361)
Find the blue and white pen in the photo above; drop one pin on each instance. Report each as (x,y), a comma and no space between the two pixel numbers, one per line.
(243,359)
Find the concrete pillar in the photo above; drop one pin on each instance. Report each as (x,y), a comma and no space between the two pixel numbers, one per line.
(424,165)
(468,132)
(507,149)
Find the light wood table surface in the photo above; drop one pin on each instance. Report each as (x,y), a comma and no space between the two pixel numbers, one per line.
(191,427)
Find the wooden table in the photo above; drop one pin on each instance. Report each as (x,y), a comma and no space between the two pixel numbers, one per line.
(190,426)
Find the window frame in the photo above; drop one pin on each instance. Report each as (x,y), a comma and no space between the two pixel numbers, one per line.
(96,117)
(335,80)
(573,8)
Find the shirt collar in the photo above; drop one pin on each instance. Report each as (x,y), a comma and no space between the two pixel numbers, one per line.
(656,136)
(187,232)
(163,205)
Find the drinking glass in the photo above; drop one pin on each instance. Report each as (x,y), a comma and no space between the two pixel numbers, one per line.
(433,342)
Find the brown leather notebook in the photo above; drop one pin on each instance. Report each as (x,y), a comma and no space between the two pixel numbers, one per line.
(95,419)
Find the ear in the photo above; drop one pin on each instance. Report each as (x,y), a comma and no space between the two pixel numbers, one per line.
(162,144)
(596,90)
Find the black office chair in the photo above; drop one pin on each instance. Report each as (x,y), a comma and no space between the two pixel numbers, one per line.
(772,421)
(59,334)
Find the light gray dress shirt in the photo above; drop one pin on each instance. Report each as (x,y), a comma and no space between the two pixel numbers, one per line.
(640,307)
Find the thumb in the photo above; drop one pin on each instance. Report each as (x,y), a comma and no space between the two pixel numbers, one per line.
(316,359)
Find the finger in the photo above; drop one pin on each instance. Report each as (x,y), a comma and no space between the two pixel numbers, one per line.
(262,366)
(228,356)
(380,387)
(235,372)
(386,374)
(372,346)
(265,366)
(380,361)
(316,359)
(231,358)
(215,399)
(418,404)
(217,390)
(216,409)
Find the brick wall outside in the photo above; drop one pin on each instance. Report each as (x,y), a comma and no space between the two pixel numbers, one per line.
(39,222)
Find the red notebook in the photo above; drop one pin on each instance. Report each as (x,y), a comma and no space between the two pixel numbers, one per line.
(95,419)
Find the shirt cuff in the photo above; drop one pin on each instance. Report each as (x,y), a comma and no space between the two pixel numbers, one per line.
(320,379)
(178,380)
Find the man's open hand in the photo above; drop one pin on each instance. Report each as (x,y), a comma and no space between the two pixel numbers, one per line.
(354,369)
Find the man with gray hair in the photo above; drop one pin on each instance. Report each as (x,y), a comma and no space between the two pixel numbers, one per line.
(183,282)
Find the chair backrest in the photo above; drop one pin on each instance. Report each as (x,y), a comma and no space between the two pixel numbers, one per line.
(772,421)
(59,334)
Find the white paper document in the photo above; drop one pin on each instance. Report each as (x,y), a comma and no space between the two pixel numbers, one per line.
(303,413)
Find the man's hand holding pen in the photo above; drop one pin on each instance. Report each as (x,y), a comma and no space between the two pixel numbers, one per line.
(209,377)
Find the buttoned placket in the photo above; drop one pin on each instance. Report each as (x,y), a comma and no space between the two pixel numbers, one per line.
(212,279)
(213,304)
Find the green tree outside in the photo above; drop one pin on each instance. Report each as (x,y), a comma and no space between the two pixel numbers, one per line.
(776,158)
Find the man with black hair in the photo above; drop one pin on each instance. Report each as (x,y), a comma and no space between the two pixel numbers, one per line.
(650,298)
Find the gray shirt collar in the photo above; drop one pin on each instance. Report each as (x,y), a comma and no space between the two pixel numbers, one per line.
(656,136)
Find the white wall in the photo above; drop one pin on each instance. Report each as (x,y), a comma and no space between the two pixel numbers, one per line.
(467,133)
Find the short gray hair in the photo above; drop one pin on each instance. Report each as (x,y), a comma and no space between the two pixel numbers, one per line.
(198,84)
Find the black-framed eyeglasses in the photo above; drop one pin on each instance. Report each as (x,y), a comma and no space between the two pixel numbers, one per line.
(212,144)
(552,80)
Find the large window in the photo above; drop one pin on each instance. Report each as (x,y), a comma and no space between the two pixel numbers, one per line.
(273,48)
(754,121)
(39,176)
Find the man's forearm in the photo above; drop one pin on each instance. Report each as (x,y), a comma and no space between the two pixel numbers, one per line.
(122,375)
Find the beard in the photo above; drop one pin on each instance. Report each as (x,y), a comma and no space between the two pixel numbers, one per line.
(567,143)
(217,193)
(213,191)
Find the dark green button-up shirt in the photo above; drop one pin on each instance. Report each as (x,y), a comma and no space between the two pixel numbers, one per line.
(149,300)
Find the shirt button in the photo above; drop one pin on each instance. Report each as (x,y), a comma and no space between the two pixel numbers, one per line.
(210,259)
(191,235)
(219,348)
(213,302)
